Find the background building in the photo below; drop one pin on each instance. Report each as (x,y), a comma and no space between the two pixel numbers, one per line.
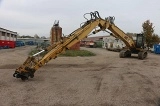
(112,43)
(92,41)
(7,38)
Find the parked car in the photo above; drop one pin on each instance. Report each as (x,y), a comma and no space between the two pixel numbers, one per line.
(20,43)
(30,43)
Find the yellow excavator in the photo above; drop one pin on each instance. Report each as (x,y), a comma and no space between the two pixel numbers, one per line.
(32,63)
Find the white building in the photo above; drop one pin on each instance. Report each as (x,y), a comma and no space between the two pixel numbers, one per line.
(7,35)
(112,43)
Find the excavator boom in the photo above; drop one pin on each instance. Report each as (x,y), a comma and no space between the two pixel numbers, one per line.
(32,64)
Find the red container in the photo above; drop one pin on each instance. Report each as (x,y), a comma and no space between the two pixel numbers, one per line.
(76,46)
(11,44)
(5,43)
(2,43)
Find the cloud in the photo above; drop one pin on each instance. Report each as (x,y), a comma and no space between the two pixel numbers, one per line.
(31,17)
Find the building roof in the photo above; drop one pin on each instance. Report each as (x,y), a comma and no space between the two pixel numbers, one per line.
(8,31)
(47,39)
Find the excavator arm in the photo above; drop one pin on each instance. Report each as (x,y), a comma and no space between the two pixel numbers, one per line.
(32,63)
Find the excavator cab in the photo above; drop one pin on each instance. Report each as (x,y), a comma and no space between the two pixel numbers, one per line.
(140,41)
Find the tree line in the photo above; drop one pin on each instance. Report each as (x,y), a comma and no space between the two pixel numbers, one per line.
(35,36)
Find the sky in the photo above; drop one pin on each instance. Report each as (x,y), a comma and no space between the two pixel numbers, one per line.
(30,17)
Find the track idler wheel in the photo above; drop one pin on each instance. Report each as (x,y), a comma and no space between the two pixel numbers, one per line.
(124,53)
(142,55)
(23,78)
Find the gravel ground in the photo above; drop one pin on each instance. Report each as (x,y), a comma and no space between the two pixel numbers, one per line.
(101,80)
